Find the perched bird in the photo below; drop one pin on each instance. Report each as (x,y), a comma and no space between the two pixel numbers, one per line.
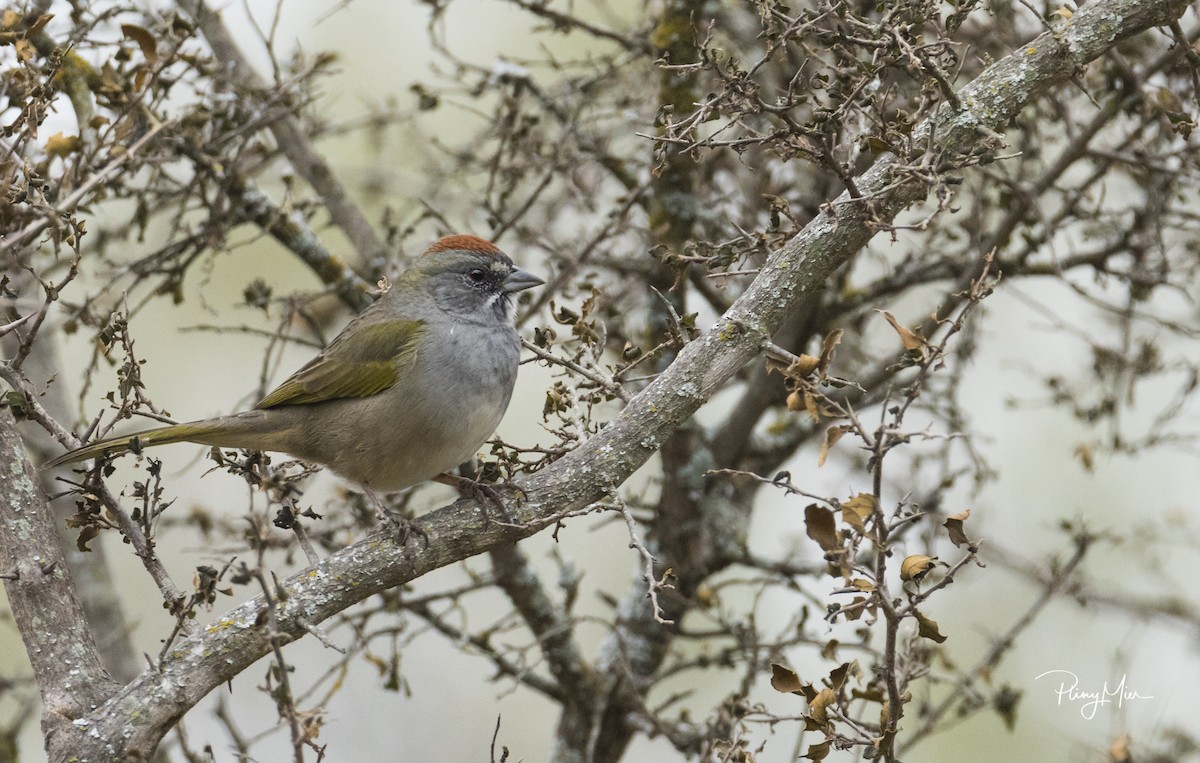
(411,388)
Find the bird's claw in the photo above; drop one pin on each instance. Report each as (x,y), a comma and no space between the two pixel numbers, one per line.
(480,492)
(404,530)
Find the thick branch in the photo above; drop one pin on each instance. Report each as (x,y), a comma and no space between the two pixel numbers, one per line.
(45,607)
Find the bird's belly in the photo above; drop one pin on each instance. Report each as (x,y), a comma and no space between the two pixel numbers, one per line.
(392,442)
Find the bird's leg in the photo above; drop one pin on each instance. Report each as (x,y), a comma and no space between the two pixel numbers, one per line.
(480,492)
(403,527)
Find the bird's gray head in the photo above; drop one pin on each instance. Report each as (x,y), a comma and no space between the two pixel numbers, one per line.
(472,279)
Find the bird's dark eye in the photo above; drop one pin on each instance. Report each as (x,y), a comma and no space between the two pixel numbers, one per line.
(477,275)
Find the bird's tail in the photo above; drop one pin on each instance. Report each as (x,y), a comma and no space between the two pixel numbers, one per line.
(237,431)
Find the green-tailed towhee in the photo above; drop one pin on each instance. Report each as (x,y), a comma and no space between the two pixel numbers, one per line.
(412,387)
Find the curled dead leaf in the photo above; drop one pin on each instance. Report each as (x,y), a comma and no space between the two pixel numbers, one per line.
(795,402)
(910,340)
(144,39)
(954,528)
(832,435)
(818,706)
(785,680)
(927,628)
(857,510)
(837,676)
(916,566)
(832,340)
(801,367)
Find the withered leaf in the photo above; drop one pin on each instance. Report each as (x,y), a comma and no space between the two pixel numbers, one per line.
(39,24)
(916,566)
(810,405)
(954,528)
(144,39)
(61,145)
(85,536)
(801,367)
(818,706)
(785,680)
(818,751)
(870,694)
(854,611)
(829,649)
(928,628)
(820,525)
(795,402)
(25,50)
(837,676)
(832,435)
(857,510)
(832,339)
(910,340)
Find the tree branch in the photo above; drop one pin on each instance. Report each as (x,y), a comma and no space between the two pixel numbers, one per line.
(66,661)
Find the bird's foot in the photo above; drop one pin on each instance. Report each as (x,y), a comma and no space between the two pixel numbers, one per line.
(404,530)
(480,492)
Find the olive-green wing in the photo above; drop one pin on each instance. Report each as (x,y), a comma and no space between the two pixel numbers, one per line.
(362,361)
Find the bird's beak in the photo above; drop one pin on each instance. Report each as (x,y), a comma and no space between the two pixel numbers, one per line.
(520,280)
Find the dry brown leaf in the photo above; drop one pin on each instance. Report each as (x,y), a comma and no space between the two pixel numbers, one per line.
(144,39)
(785,680)
(818,706)
(818,751)
(829,649)
(39,24)
(837,676)
(832,340)
(928,628)
(832,435)
(62,145)
(954,528)
(810,405)
(916,566)
(821,527)
(857,510)
(801,367)
(854,611)
(911,341)
(25,50)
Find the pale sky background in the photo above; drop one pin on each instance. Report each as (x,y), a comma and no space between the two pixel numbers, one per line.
(452,711)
